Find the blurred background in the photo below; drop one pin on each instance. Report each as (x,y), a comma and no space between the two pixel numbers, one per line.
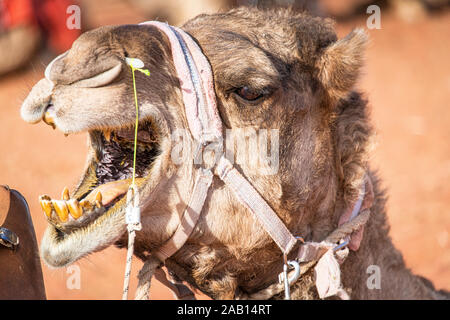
(406,78)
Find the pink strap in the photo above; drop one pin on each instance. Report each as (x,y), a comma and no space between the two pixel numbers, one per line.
(197,88)
(311,251)
(249,197)
(190,63)
(212,119)
(190,216)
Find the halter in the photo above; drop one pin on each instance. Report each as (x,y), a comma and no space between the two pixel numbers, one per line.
(199,99)
(197,86)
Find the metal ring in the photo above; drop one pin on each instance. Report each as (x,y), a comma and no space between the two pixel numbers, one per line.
(339,246)
(296,275)
(8,238)
(288,281)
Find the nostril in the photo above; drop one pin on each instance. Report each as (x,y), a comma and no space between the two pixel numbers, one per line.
(49,107)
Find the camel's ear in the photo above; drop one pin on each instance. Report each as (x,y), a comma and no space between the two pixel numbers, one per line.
(340,64)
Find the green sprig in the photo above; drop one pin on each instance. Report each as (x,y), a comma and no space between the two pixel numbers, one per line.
(147,73)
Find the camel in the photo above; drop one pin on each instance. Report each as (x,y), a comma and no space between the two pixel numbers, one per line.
(272,69)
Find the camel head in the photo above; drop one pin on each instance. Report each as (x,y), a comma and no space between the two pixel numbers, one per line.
(281,76)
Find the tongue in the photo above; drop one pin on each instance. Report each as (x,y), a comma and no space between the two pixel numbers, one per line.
(109,191)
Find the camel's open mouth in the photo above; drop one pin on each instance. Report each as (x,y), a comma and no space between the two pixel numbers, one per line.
(103,187)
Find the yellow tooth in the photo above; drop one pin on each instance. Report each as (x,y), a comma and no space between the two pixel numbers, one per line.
(65,194)
(74,208)
(46,207)
(61,209)
(98,200)
(48,119)
(85,204)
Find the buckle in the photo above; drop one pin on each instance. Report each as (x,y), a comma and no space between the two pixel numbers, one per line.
(285,279)
(8,238)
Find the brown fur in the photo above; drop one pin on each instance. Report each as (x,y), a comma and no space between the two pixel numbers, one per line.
(307,78)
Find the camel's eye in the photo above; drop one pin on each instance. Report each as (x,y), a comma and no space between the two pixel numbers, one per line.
(248,93)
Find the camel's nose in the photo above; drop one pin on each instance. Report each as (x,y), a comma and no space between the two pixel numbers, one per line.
(37,106)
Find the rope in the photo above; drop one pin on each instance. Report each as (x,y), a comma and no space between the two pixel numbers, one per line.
(133,211)
(130,249)
(273,289)
(349,227)
(145,278)
(341,232)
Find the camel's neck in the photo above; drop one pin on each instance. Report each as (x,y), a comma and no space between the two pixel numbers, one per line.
(377,270)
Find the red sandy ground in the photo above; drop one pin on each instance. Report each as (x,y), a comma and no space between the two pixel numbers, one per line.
(407,79)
